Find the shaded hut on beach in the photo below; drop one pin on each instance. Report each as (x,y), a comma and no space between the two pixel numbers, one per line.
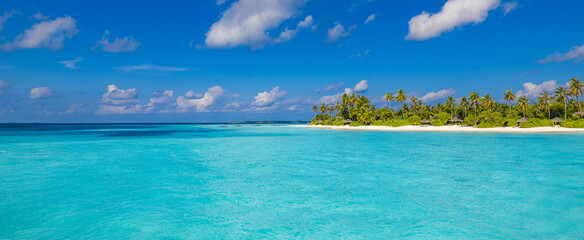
(455,120)
(581,114)
(348,121)
(425,121)
(557,120)
(522,120)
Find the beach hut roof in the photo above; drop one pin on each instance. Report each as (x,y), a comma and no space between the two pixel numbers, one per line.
(348,121)
(522,120)
(425,121)
(579,113)
(557,120)
(319,121)
(455,119)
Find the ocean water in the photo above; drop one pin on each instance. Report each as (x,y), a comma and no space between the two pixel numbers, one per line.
(279,182)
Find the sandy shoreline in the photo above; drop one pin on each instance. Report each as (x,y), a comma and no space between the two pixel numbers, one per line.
(450,129)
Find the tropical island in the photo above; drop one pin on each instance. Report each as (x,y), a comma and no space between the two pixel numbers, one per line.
(562,108)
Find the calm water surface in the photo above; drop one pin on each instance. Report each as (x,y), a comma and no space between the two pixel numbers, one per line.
(268,181)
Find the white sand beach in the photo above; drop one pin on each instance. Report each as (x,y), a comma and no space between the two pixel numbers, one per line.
(450,129)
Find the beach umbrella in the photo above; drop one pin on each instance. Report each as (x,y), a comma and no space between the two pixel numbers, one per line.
(522,120)
(557,120)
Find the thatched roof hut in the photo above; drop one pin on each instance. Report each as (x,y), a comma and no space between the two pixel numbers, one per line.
(348,121)
(557,120)
(581,114)
(425,121)
(455,119)
(521,120)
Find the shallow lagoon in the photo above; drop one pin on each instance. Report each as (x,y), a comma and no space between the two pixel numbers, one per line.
(274,181)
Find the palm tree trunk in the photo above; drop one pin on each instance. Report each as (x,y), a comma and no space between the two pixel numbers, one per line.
(509,108)
(464,112)
(549,114)
(579,107)
(404,111)
(391,110)
(565,109)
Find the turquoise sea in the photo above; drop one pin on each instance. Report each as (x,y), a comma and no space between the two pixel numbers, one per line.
(278,182)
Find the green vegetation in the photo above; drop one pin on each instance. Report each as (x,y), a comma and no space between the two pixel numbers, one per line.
(474,110)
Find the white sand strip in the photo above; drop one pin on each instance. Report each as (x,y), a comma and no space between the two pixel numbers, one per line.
(450,129)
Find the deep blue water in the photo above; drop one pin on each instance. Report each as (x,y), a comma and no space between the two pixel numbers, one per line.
(272,181)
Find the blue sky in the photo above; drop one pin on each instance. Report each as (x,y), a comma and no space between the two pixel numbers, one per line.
(210,61)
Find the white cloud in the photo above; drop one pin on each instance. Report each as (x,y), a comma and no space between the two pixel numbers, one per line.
(370,18)
(532,90)
(5,17)
(42,92)
(331,87)
(433,96)
(288,34)
(246,23)
(71,63)
(454,13)
(576,54)
(152,67)
(360,87)
(265,98)
(75,108)
(209,98)
(39,16)
(119,109)
(360,55)
(509,6)
(126,44)
(337,32)
(3,86)
(219,2)
(118,96)
(46,34)
(158,98)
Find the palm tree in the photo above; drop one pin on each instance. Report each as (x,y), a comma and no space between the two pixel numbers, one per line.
(414,101)
(315,110)
(463,103)
(576,90)
(323,108)
(509,97)
(523,103)
(401,98)
(451,103)
(544,99)
(475,99)
(561,95)
(389,98)
(488,101)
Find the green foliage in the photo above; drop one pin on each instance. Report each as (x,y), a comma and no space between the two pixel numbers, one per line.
(510,122)
(437,123)
(536,122)
(469,120)
(401,123)
(378,123)
(328,122)
(338,123)
(356,124)
(415,120)
(487,125)
(443,117)
(573,123)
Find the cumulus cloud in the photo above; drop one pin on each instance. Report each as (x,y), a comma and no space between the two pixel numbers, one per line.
(48,34)
(202,104)
(337,32)
(151,67)
(454,13)
(532,90)
(509,6)
(433,96)
(5,17)
(246,23)
(268,98)
(126,44)
(3,86)
(76,108)
(42,92)
(370,18)
(71,63)
(117,96)
(158,98)
(576,54)
(360,87)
